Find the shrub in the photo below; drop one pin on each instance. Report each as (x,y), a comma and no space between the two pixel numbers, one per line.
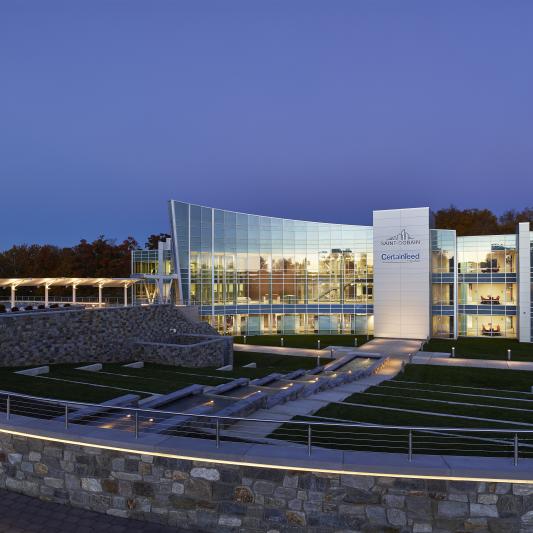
(29,308)
(66,305)
(2,308)
(41,306)
(14,309)
(54,306)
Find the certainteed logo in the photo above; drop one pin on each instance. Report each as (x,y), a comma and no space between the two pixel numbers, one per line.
(401,239)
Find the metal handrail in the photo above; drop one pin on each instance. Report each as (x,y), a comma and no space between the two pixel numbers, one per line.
(266,420)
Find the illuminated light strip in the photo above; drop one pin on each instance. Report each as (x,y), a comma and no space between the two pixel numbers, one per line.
(261,465)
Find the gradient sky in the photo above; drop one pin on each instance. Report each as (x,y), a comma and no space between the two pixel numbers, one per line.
(321,110)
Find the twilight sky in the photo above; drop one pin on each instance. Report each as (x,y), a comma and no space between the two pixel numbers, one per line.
(321,110)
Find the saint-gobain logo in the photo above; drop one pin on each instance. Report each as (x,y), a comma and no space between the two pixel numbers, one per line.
(401,239)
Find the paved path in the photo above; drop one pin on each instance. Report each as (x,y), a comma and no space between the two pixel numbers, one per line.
(306,406)
(278,350)
(429,358)
(400,348)
(390,347)
(23,514)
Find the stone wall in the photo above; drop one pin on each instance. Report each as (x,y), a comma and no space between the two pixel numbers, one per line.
(102,335)
(212,352)
(223,498)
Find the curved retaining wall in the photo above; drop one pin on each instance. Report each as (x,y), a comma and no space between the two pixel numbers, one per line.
(210,496)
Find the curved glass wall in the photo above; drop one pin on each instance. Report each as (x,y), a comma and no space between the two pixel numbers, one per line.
(258,274)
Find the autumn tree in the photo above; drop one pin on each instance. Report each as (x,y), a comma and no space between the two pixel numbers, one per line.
(154,239)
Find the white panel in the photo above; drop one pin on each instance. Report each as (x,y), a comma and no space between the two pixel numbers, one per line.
(524,282)
(402,273)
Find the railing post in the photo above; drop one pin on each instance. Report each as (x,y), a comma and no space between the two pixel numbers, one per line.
(410,451)
(8,407)
(218,433)
(515,454)
(136,424)
(66,416)
(309,439)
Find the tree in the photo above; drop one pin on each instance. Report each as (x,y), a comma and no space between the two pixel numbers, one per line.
(101,258)
(154,239)
(467,221)
(509,220)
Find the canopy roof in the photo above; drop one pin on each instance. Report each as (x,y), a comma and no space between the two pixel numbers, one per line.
(67,282)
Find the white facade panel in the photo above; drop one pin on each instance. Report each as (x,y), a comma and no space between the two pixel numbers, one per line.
(524,282)
(402,273)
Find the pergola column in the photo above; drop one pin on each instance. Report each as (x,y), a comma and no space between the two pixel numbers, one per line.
(74,286)
(125,295)
(13,291)
(46,287)
(99,295)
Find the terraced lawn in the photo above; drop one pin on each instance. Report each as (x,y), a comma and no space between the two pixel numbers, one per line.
(64,382)
(479,348)
(429,396)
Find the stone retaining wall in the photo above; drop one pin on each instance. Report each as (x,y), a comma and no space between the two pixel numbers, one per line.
(215,351)
(100,335)
(223,498)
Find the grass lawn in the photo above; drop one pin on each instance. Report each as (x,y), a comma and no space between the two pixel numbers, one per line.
(303,341)
(396,441)
(67,383)
(480,348)
(519,380)
(413,390)
(35,386)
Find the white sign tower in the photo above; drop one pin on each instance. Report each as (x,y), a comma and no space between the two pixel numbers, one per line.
(402,273)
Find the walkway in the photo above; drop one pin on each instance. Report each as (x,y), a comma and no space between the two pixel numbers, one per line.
(400,348)
(430,358)
(383,347)
(278,350)
(307,406)
(24,514)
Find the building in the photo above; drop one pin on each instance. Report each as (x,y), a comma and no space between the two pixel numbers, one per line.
(398,278)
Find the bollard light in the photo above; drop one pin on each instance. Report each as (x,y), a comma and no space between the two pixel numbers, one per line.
(318,360)
(244,339)
(453,351)
(318,343)
(331,351)
(281,341)
(355,342)
(508,355)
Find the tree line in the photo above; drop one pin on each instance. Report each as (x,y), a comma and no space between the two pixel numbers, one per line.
(102,257)
(481,221)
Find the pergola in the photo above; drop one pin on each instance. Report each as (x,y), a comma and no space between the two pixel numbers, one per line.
(101,283)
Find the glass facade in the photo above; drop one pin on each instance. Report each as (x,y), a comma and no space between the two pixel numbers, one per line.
(252,274)
(487,285)
(145,263)
(443,289)
(255,274)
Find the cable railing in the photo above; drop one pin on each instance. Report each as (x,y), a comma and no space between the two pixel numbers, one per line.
(308,434)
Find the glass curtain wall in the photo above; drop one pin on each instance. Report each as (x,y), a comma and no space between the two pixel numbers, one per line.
(443,257)
(487,285)
(263,274)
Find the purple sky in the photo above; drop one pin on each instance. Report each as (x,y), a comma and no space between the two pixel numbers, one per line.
(322,110)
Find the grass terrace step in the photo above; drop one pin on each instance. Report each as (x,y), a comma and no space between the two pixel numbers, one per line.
(302,341)
(479,348)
